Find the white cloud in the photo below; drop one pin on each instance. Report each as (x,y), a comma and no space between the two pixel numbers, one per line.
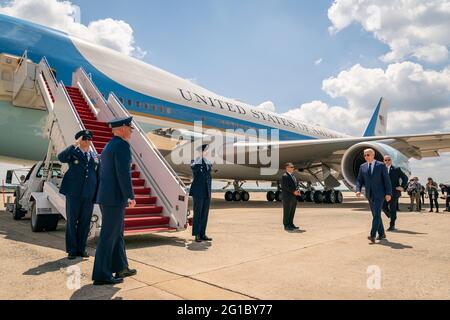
(337,118)
(318,61)
(416,28)
(64,16)
(407,86)
(419,99)
(267,106)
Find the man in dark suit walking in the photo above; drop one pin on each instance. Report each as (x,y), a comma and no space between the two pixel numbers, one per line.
(399,183)
(289,193)
(201,193)
(374,176)
(79,185)
(115,193)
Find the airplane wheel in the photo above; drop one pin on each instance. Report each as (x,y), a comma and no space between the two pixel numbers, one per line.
(278,196)
(301,197)
(228,196)
(237,196)
(318,197)
(309,196)
(330,196)
(339,197)
(270,196)
(245,196)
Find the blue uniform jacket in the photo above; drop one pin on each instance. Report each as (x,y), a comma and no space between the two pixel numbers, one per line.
(201,184)
(115,185)
(378,185)
(81,178)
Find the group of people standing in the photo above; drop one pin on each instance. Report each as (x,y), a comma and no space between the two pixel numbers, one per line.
(417,193)
(384,184)
(107,181)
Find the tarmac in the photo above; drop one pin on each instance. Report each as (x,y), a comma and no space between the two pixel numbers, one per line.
(251,257)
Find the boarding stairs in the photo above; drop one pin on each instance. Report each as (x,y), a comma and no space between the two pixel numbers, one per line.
(162,201)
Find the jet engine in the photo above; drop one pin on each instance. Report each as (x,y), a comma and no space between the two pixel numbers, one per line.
(354,158)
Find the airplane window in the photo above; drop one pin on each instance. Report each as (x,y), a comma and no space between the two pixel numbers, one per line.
(121,99)
(153,108)
(146,106)
(130,103)
(161,109)
(169,110)
(138,104)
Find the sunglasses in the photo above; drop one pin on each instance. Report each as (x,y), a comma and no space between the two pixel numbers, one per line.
(388,160)
(367,155)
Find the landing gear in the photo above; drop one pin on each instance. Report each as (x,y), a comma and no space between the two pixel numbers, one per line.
(318,196)
(330,196)
(245,196)
(278,196)
(270,196)
(309,196)
(301,197)
(229,196)
(339,197)
(238,195)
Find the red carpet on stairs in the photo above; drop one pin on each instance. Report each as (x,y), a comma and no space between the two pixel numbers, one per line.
(146,217)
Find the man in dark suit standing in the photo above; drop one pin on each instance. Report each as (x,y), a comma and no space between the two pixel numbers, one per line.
(399,183)
(79,185)
(201,193)
(289,193)
(374,176)
(115,193)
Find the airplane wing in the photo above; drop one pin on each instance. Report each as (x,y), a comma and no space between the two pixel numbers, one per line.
(332,150)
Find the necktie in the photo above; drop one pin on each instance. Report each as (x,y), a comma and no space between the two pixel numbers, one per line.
(370,169)
(86,154)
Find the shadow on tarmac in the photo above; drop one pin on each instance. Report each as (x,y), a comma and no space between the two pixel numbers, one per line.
(96,293)
(51,266)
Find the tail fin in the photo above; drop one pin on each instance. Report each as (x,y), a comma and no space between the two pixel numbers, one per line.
(378,123)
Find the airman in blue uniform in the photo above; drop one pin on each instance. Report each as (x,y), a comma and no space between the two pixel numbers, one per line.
(115,193)
(79,185)
(201,193)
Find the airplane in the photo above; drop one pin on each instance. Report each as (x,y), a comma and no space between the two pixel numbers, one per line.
(164,103)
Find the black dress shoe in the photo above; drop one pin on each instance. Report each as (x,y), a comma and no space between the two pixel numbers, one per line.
(111,281)
(198,239)
(206,238)
(391,229)
(383,237)
(72,256)
(125,273)
(371,239)
(295,227)
(289,229)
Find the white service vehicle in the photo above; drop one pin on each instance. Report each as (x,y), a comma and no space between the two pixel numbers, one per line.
(38,195)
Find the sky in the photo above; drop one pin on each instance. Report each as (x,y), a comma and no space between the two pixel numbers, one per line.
(323,62)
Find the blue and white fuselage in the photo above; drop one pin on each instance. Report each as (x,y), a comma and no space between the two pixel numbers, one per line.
(146,91)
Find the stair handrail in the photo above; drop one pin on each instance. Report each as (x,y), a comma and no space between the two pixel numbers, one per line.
(108,109)
(175,200)
(159,154)
(23,58)
(20,74)
(153,146)
(49,71)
